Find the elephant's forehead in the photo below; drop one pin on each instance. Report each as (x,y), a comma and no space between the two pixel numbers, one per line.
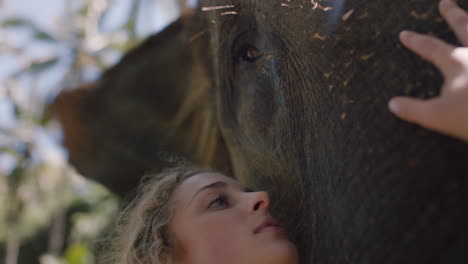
(329,16)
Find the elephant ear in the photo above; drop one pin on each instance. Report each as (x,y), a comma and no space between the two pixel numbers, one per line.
(151,109)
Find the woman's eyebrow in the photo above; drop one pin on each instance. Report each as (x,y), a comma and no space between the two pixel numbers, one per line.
(215,185)
(247,189)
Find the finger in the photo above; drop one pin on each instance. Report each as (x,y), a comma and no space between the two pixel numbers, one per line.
(436,114)
(425,113)
(429,48)
(457,18)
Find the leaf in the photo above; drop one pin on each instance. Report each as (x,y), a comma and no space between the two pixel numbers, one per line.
(45,117)
(84,11)
(130,26)
(41,66)
(44,36)
(77,253)
(39,34)
(17,22)
(4,149)
(37,67)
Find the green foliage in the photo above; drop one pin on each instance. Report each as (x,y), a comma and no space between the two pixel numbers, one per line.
(17,22)
(38,67)
(43,36)
(56,215)
(78,253)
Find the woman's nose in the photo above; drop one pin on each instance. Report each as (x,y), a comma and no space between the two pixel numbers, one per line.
(259,202)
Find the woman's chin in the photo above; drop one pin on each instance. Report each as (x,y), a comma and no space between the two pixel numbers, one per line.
(281,251)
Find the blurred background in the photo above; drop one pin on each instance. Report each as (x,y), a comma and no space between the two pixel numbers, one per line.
(49,214)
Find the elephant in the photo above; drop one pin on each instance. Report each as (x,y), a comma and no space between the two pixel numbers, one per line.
(290,97)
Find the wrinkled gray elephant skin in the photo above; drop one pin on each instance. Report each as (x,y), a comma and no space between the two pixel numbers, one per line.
(303,98)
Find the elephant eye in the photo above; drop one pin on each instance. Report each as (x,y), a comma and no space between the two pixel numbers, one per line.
(250,54)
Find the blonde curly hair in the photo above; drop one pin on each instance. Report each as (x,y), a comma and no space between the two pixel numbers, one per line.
(142,234)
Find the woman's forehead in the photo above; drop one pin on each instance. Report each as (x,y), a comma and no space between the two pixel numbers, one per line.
(200,180)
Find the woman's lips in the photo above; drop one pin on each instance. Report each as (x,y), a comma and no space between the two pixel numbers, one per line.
(277,229)
(268,225)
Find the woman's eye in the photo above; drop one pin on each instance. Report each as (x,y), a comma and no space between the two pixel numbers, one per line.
(220,201)
(250,54)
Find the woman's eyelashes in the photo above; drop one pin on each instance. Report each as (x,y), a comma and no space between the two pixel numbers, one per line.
(220,201)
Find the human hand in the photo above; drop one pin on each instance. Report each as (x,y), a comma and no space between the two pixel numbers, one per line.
(448,113)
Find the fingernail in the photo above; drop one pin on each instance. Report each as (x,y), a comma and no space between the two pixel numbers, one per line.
(405,35)
(393,106)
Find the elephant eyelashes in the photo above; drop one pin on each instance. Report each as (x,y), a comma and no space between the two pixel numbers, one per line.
(249,54)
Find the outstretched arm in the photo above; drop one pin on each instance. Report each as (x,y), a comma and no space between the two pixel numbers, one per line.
(448,113)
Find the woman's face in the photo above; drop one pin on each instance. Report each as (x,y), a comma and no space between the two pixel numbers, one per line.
(216,220)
